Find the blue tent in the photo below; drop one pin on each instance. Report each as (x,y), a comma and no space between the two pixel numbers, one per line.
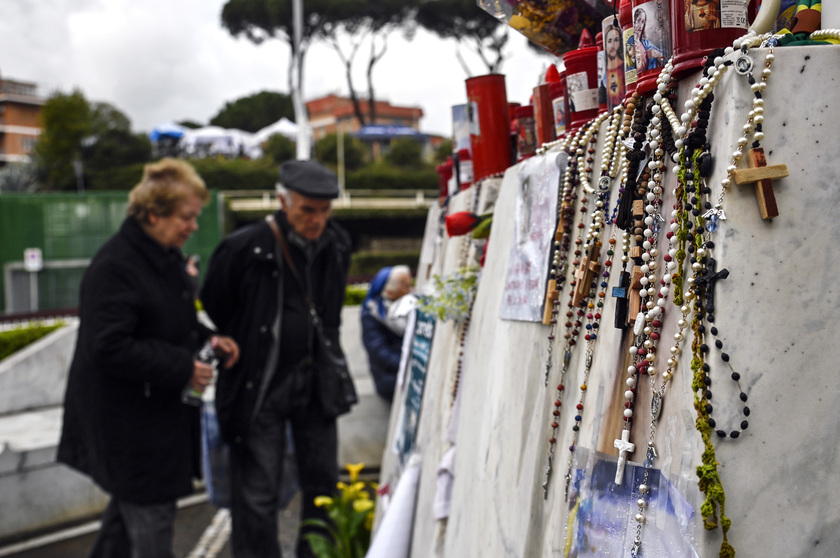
(169,130)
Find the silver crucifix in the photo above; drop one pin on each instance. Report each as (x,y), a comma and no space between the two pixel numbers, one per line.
(624,446)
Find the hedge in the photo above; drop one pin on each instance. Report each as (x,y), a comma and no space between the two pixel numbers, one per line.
(261,174)
(13,340)
(366,264)
(355,294)
(380,177)
(237,174)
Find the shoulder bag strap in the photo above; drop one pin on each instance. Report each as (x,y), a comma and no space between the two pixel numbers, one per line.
(284,247)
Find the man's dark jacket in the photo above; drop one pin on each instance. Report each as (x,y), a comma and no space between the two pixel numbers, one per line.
(241,294)
(124,422)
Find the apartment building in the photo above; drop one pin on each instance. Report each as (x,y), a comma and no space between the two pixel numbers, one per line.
(327,113)
(20,111)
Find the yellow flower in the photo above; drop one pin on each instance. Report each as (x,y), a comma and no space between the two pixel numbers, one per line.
(354,470)
(322,501)
(341,486)
(362,506)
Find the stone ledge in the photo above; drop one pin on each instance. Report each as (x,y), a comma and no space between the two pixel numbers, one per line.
(29,440)
(36,376)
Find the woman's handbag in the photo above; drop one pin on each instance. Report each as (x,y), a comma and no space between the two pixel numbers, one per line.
(215,457)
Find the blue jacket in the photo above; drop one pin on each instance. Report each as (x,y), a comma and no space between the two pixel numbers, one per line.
(383,346)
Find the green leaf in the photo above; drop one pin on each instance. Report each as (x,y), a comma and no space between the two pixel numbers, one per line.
(321,546)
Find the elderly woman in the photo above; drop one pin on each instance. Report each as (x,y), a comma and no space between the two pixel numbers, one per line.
(383,325)
(125,422)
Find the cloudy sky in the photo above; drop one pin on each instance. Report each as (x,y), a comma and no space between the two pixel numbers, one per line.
(164,60)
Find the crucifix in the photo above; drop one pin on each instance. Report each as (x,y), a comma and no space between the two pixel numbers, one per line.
(639,216)
(589,268)
(551,296)
(624,445)
(551,292)
(762,175)
(635,298)
(709,278)
(622,300)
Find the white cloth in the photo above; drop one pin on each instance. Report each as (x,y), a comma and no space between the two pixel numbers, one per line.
(393,538)
(445,478)
(397,312)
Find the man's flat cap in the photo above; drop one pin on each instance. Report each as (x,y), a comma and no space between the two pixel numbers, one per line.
(309,178)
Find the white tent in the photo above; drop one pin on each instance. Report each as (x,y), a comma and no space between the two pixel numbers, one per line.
(213,140)
(284,126)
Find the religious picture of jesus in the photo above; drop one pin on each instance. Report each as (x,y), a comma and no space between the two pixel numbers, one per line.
(614,71)
(702,15)
(651,42)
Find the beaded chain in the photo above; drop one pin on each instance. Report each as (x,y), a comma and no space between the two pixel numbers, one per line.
(648,322)
(710,274)
(691,142)
(566,198)
(593,314)
(560,270)
(462,341)
(580,165)
(466,243)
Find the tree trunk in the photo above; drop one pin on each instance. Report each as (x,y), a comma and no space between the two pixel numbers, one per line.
(374,58)
(348,72)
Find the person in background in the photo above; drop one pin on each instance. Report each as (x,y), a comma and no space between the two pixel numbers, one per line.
(125,423)
(252,293)
(383,326)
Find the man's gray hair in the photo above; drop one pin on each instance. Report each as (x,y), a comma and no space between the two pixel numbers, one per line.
(284,193)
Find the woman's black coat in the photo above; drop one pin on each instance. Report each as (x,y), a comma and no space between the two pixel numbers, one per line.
(124,422)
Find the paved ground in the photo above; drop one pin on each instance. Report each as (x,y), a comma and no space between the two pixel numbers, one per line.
(193,522)
(362,436)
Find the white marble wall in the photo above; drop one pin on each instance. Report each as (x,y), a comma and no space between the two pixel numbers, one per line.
(36,376)
(776,313)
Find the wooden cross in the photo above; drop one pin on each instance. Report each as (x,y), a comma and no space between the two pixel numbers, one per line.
(709,278)
(762,175)
(551,296)
(624,446)
(635,298)
(622,300)
(639,209)
(589,268)
(639,215)
(551,293)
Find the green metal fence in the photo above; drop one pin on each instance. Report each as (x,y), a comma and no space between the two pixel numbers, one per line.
(69,229)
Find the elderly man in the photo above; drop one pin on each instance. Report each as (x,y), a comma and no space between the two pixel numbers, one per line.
(262,286)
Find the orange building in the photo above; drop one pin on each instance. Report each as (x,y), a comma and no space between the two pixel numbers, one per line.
(326,113)
(20,112)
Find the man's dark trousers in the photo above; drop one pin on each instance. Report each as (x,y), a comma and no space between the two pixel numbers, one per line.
(257,467)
